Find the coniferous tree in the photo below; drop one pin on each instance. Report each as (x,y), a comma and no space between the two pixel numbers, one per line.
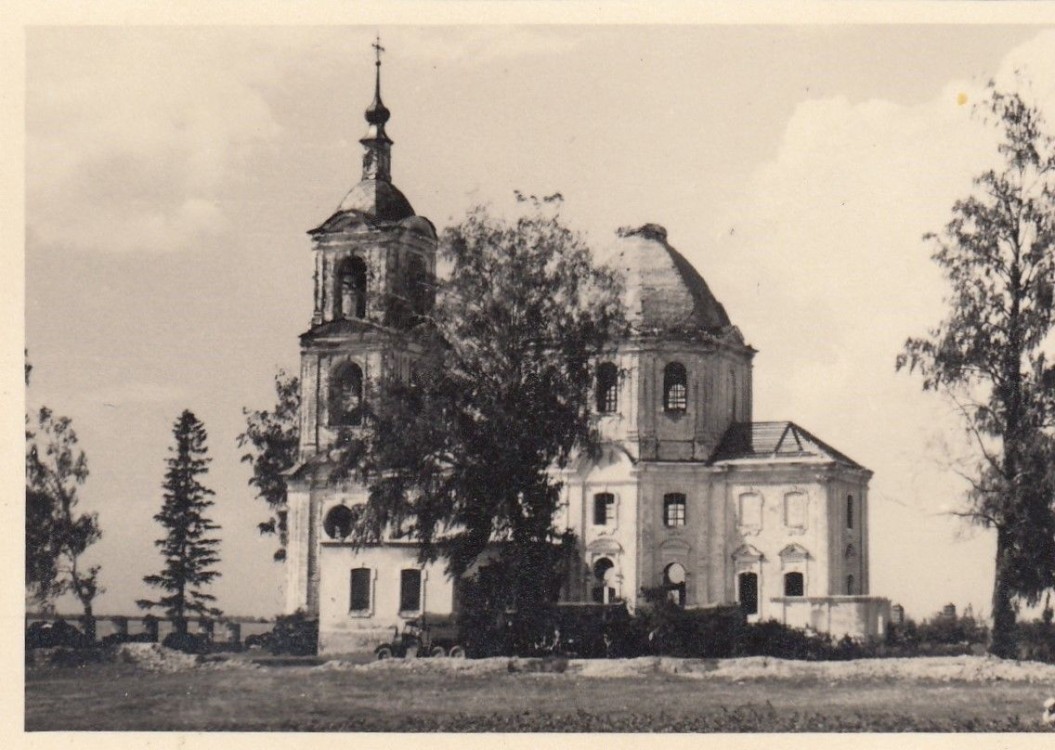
(190,552)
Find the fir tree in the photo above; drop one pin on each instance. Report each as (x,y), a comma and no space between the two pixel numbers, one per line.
(190,553)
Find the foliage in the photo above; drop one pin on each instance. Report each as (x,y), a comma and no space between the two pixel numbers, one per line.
(998,254)
(458,452)
(273,437)
(489,621)
(56,534)
(55,634)
(296,634)
(189,552)
(188,643)
(662,627)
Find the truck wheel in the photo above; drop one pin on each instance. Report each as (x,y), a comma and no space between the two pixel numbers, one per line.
(438,652)
(457,652)
(384,652)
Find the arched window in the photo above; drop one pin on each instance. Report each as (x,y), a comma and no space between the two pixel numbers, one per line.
(607,388)
(604,591)
(674,509)
(338,522)
(351,288)
(794,584)
(346,395)
(850,586)
(675,387)
(674,580)
(410,590)
(849,511)
(603,508)
(747,590)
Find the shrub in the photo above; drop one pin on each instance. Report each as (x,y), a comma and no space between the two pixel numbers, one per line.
(662,627)
(188,643)
(295,634)
(52,635)
(1036,640)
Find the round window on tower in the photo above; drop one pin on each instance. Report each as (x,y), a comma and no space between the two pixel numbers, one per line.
(338,522)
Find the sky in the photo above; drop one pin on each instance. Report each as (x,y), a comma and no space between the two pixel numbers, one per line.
(172,175)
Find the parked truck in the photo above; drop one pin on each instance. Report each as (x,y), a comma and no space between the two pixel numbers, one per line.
(423,637)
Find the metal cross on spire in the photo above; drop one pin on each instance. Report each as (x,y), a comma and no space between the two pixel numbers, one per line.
(378,49)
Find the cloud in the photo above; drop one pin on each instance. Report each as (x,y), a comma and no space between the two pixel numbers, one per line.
(831,230)
(131,137)
(134,392)
(482,45)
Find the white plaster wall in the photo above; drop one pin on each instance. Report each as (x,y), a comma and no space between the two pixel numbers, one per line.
(774,535)
(340,629)
(617,539)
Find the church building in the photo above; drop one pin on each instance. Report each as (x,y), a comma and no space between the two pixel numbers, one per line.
(689,493)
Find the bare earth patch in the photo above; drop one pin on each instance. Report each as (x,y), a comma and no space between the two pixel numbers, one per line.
(154,689)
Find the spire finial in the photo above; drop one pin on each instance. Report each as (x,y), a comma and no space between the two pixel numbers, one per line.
(377,114)
(378,49)
(377,159)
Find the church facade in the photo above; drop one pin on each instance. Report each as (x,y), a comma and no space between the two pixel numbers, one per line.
(689,494)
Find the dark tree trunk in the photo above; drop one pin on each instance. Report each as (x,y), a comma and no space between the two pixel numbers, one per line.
(1002,639)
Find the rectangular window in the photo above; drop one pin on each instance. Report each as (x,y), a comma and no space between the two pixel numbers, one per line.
(849,511)
(361,579)
(410,590)
(794,584)
(603,508)
(674,509)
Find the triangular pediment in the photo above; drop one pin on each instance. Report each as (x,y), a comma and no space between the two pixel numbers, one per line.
(747,552)
(794,552)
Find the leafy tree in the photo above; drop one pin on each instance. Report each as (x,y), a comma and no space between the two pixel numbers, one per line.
(189,552)
(57,535)
(998,254)
(459,452)
(273,438)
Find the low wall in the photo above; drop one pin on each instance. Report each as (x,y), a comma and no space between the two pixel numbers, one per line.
(223,630)
(838,616)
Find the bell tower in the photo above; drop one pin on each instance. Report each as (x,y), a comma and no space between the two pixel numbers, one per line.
(375,261)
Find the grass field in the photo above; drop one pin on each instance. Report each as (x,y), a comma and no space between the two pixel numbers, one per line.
(125,697)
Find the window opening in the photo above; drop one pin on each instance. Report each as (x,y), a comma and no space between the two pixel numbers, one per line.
(748,593)
(603,508)
(361,578)
(607,388)
(346,395)
(409,590)
(674,509)
(675,387)
(794,584)
(604,591)
(338,522)
(674,579)
(351,284)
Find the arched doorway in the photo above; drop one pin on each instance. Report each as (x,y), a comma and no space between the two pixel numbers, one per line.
(605,590)
(674,579)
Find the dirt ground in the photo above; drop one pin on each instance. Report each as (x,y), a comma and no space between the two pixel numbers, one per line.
(149,688)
